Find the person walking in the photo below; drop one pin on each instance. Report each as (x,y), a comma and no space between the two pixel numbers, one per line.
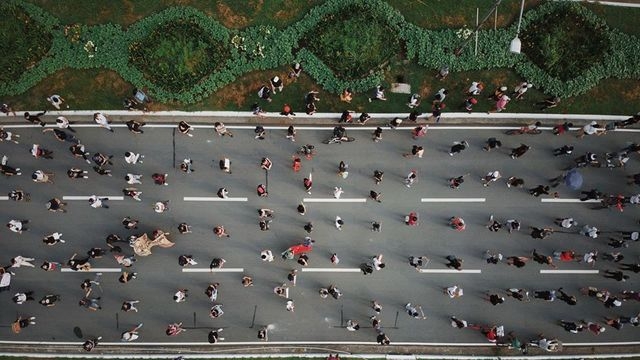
(458,147)
(308,183)
(454,262)
(519,151)
(132,334)
(35,119)
(410,178)
(129,305)
(98,202)
(19,261)
(102,120)
(491,176)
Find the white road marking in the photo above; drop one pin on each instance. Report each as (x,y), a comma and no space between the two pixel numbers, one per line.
(4,198)
(333,200)
(552,200)
(279,355)
(456,200)
(214,198)
(569,271)
(93,270)
(451,271)
(206,270)
(350,270)
(109,197)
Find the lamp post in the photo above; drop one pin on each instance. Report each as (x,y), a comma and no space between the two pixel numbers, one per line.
(516,44)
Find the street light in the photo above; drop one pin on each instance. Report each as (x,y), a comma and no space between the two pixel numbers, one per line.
(516,44)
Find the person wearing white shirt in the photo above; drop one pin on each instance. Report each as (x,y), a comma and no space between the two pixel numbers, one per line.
(102,120)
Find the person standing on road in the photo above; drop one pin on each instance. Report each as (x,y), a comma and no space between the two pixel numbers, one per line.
(519,151)
(458,147)
(491,176)
(131,335)
(416,151)
(129,305)
(98,202)
(90,344)
(35,119)
(454,262)
(410,178)
(308,183)
(17,226)
(133,158)
(102,120)
(19,261)
(185,128)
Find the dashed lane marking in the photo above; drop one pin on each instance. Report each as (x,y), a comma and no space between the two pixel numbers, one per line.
(569,271)
(450,271)
(322,270)
(456,200)
(567,201)
(207,270)
(332,200)
(214,198)
(109,197)
(93,270)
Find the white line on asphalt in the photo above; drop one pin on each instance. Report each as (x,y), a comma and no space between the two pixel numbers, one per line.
(350,270)
(456,200)
(109,197)
(567,201)
(332,200)
(207,270)
(569,271)
(451,271)
(248,114)
(210,355)
(4,198)
(93,270)
(214,198)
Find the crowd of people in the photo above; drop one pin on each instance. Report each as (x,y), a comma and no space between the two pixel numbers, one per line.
(117,247)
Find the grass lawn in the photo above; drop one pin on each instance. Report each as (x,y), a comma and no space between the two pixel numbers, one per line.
(440,14)
(231,13)
(103,89)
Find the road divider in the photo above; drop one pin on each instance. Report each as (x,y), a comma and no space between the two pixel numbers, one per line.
(93,270)
(560,272)
(214,198)
(86,198)
(207,270)
(334,270)
(454,200)
(332,200)
(450,271)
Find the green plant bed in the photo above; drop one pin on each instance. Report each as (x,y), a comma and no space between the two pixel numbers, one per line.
(352,42)
(564,43)
(20,52)
(177,55)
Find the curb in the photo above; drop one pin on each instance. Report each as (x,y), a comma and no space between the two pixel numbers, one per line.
(245,117)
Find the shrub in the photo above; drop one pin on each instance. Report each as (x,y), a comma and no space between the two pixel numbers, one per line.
(24,42)
(177,55)
(352,46)
(564,43)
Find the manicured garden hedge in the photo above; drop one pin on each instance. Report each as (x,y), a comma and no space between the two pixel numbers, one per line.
(265,47)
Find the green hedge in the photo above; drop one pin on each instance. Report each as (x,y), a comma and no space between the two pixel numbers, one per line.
(265,47)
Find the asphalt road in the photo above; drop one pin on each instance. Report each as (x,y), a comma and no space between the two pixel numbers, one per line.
(314,319)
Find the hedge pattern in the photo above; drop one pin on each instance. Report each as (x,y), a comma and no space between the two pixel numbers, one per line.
(265,47)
